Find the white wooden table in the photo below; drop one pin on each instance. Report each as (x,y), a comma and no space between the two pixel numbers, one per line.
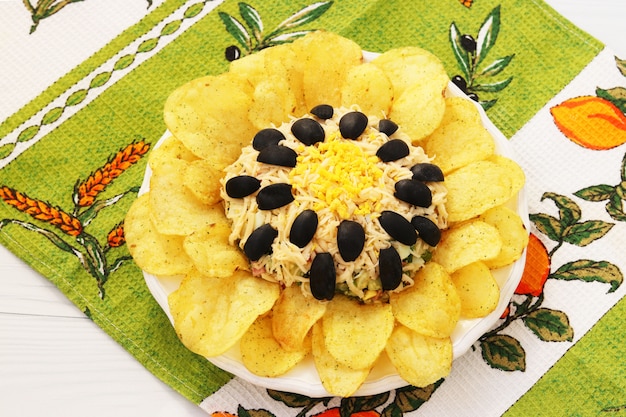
(56,362)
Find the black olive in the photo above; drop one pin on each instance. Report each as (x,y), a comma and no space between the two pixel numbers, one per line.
(308,131)
(350,240)
(460,82)
(398,227)
(352,125)
(274,196)
(390,268)
(427,172)
(473,96)
(260,242)
(232,53)
(322,276)
(468,43)
(323,111)
(278,155)
(303,228)
(266,137)
(414,192)
(387,127)
(427,230)
(393,150)
(241,186)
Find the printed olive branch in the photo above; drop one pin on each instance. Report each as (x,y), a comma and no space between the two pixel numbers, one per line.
(614,195)
(91,254)
(470,54)
(251,36)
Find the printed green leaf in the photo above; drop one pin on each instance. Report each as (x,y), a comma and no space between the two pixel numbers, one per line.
(296,400)
(193,10)
(616,95)
(236,30)
(596,192)
(503,352)
(171,27)
(100,79)
(582,234)
(28,133)
(461,55)
(548,225)
(590,271)
(52,115)
(409,399)
(252,18)
(305,15)
(147,45)
(51,236)
(352,405)
(287,37)
(76,97)
(497,66)
(242,412)
(493,87)
(549,325)
(6,150)
(123,62)
(621,65)
(487,35)
(615,208)
(486,105)
(623,171)
(569,212)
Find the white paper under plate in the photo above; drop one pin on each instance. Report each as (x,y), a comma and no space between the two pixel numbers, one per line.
(303,379)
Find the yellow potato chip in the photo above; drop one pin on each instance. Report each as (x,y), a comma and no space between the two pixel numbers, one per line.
(211,113)
(512,231)
(263,355)
(419,359)
(466,243)
(173,207)
(293,316)
(516,174)
(431,306)
(477,288)
(153,252)
(459,129)
(211,252)
(477,187)
(336,378)
(368,86)
(170,148)
(212,314)
(355,334)
(203,180)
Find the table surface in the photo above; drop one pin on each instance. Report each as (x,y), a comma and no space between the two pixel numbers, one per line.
(55,361)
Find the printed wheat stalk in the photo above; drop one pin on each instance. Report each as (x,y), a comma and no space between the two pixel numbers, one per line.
(41,210)
(87,191)
(116,237)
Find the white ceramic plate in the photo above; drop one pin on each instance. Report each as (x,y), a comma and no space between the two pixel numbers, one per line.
(303,379)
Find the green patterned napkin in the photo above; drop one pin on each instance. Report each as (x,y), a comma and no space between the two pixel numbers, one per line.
(72,160)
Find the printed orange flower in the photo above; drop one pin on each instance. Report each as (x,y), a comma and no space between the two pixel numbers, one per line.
(537,268)
(590,121)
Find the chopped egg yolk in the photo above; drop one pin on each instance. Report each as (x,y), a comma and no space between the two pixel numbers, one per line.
(336,172)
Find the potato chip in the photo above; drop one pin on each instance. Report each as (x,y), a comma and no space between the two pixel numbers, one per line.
(173,207)
(419,359)
(512,231)
(153,252)
(293,316)
(477,289)
(368,86)
(411,65)
(211,113)
(170,148)
(212,314)
(355,333)
(466,243)
(336,378)
(326,58)
(477,187)
(516,174)
(431,306)
(460,129)
(211,252)
(262,354)
(203,180)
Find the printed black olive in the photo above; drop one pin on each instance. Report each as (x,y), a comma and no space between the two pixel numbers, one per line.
(323,111)
(393,150)
(387,127)
(427,172)
(260,242)
(308,131)
(390,268)
(322,276)
(414,192)
(303,228)
(398,227)
(427,230)
(274,196)
(241,186)
(352,125)
(266,137)
(350,240)
(278,155)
